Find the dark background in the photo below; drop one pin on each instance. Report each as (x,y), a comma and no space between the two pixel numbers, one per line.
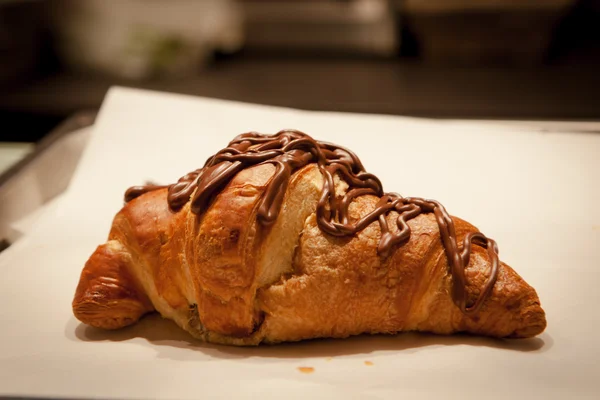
(500,62)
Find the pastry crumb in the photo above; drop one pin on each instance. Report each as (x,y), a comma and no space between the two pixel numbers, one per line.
(329,359)
(306,370)
(368,363)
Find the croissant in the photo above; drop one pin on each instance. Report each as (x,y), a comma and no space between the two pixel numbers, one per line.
(284,238)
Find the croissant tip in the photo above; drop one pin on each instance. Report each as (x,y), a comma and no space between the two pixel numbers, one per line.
(121,314)
(533,322)
(528,332)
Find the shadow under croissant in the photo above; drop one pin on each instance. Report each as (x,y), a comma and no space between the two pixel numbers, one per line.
(163,332)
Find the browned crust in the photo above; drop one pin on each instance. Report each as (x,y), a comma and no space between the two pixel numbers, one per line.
(335,287)
(344,288)
(107,295)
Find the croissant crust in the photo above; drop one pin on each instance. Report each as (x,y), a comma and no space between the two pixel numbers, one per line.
(225,278)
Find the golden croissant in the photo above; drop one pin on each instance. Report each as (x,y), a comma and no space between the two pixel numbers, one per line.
(284,238)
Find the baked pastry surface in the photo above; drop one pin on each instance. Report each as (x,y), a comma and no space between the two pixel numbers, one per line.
(226,276)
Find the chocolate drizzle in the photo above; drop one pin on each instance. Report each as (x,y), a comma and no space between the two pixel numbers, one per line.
(290,150)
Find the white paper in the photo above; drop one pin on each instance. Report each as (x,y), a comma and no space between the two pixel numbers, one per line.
(536,192)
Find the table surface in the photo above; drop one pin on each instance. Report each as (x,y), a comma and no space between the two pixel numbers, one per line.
(12,153)
(523,198)
(355,85)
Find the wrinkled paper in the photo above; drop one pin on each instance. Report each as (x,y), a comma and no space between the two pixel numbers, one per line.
(534,190)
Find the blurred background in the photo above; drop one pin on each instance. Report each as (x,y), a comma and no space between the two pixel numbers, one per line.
(490,59)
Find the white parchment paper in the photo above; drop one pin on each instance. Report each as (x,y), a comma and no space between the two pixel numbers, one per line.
(536,191)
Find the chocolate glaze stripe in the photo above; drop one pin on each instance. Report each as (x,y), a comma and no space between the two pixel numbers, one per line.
(290,150)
